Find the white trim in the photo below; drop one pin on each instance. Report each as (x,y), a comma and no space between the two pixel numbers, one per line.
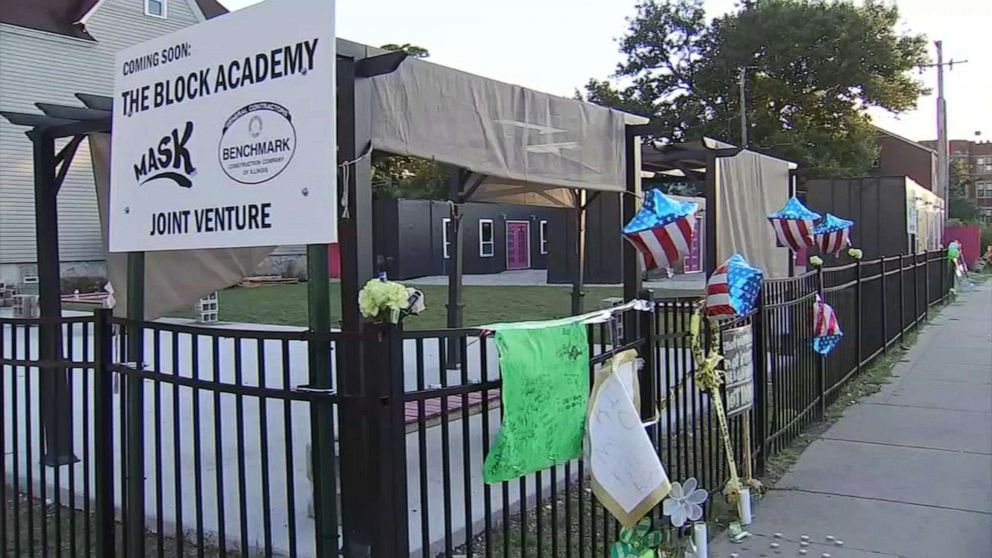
(194,7)
(165,9)
(492,239)
(444,238)
(542,246)
(508,222)
(86,16)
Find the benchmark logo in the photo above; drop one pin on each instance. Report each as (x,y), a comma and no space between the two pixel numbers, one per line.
(169,160)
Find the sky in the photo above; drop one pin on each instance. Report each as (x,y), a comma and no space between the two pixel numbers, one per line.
(555,46)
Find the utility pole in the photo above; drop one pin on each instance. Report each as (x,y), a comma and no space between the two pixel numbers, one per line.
(741,80)
(943,160)
(943,174)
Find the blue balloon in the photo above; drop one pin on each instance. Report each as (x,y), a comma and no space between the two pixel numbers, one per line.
(659,210)
(825,344)
(794,209)
(740,296)
(831,223)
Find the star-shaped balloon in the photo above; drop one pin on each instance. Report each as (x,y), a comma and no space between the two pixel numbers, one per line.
(826,329)
(833,234)
(793,225)
(732,290)
(662,230)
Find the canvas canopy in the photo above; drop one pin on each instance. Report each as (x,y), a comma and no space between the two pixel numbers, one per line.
(529,147)
(747,187)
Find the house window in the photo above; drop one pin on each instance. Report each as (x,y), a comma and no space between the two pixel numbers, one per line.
(445,243)
(156,8)
(487,244)
(544,237)
(983,190)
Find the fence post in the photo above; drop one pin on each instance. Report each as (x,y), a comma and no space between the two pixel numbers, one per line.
(859,341)
(884,302)
(761,382)
(902,302)
(916,291)
(926,284)
(388,468)
(649,374)
(821,380)
(103,433)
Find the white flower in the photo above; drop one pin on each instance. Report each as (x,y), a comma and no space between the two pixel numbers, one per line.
(684,502)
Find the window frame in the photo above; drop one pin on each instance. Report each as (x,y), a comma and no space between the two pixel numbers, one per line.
(542,229)
(165,9)
(445,243)
(983,190)
(492,239)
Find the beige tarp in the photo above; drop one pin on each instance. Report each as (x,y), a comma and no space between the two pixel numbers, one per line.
(173,279)
(749,187)
(530,146)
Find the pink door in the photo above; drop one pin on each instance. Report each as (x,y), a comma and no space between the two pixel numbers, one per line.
(517,245)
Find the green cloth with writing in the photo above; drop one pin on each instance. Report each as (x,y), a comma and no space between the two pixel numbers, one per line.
(545,394)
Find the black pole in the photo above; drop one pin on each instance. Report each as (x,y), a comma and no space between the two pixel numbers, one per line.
(821,379)
(884,301)
(135,425)
(55,402)
(629,204)
(902,302)
(360,469)
(455,263)
(860,311)
(103,434)
(711,194)
(578,283)
(761,382)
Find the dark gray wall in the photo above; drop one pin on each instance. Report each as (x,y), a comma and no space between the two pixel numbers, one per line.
(604,244)
(409,235)
(877,205)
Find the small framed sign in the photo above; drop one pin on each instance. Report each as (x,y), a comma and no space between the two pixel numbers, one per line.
(738,351)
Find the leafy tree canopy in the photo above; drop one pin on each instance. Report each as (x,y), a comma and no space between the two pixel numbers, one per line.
(398,176)
(960,206)
(812,68)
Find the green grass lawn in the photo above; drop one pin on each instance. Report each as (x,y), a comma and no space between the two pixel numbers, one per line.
(287,304)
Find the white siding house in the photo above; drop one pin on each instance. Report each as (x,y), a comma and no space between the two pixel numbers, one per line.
(46,60)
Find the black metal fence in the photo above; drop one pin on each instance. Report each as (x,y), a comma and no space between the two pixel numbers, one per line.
(220,442)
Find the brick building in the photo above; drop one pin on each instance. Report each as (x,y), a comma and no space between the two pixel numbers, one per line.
(978,156)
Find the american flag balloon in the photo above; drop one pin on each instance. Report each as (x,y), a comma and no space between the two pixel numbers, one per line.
(793,225)
(732,290)
(662,230)
(833,234)
(826,329)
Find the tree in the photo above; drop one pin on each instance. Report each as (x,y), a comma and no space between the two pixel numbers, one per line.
(960,206)
(812,67)
(399,176)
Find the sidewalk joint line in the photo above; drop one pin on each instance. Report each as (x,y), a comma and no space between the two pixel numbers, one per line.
(931,506)
(892,445)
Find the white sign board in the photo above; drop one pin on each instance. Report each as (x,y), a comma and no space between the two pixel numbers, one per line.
(223,133)
(627,475)
(738,351)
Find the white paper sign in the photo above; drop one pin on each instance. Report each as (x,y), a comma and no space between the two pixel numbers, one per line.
(223,133)
(627,474)
(738,354)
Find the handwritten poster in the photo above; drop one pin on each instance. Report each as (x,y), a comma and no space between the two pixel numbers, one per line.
(627,475)
(738,351)
(545,395)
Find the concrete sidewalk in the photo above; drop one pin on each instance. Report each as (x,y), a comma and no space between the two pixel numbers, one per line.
(906,472)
